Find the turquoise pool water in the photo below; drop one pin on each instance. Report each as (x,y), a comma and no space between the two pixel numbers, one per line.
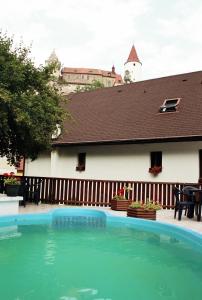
(109,259)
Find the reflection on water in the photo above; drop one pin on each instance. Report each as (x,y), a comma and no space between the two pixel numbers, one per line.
(62,222)
(50,251)
(85,293)
(9,232)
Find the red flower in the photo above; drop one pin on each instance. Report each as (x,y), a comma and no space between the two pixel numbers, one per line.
(155,170)
(5,174)
(120,192)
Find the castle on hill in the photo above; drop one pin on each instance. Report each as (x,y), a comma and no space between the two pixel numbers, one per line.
(73,78)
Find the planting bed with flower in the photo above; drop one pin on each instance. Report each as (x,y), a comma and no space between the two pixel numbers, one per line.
(120,200)
(123,193)
(143,210)
(149,205)
(11,184)
(9,178)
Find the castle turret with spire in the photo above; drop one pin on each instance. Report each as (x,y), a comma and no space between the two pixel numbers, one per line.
(53,59)
(132,67)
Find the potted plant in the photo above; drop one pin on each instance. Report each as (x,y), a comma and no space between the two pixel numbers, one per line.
(143,210)
(120,200)
(12,185)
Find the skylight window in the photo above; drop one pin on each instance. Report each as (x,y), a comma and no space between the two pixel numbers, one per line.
(169,105)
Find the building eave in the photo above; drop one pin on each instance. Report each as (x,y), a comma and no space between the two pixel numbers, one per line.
(131,141)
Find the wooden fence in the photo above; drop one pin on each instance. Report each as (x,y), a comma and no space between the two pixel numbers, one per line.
(100,192)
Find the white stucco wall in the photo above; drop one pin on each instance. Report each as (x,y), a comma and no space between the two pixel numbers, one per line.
(39,167)
(180,162)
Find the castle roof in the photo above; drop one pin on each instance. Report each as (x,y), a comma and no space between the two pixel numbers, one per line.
(133,56)
(131,113)
(88,71)
(118,79)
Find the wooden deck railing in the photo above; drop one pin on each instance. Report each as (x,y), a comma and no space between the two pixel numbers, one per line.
(100,192)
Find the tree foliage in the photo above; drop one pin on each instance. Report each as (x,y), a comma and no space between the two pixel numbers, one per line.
(29,104)
(96,84)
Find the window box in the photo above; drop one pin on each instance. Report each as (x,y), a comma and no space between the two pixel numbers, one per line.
(155,170)
(80,168)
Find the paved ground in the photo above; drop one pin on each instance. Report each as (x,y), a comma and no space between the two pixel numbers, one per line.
(164,216)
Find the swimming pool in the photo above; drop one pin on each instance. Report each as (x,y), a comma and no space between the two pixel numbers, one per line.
(72,254)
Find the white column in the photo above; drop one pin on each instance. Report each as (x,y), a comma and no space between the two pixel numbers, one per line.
(54,162)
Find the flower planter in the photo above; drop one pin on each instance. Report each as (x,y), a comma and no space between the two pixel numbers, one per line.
(155,170)
(149,214)
(120,204)
(12,189)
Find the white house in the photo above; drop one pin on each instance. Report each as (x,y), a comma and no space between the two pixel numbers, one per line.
(126,132)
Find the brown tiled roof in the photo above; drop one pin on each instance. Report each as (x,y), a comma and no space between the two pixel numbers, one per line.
(130,113)
(87,71)
(133,56)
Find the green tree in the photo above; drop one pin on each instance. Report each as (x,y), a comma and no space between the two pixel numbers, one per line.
(29,105)
(96,84)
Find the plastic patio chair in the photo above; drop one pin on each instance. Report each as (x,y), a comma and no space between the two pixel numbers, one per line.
(187,205)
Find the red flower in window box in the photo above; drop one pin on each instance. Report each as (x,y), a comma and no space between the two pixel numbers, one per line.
(155,170)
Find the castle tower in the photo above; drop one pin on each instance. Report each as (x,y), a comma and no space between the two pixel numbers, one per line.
(54,59)
(132,67)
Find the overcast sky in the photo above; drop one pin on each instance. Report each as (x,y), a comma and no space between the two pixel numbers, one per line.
(100,33)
